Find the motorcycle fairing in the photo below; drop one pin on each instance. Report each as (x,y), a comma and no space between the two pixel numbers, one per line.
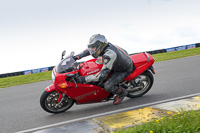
(86,93)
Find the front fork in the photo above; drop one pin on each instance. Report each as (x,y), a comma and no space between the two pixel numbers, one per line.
(61,96)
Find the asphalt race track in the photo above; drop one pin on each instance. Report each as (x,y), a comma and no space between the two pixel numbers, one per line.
(20,108)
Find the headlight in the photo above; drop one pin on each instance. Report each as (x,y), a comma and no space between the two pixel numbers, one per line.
(53,76)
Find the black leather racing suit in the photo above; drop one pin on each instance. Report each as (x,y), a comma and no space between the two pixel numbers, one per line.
(115,59)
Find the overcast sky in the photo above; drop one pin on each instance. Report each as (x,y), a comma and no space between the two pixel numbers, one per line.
(33,33)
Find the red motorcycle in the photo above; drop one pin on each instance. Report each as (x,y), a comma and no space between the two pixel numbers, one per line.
(65,91)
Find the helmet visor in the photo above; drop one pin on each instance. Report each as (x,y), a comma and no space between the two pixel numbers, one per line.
(93,48)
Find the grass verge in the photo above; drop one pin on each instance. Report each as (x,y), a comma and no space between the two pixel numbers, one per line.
(24,79)
(176,54)
(37,77)
(182,122)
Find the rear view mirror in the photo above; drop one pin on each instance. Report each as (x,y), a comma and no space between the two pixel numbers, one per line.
(63,54)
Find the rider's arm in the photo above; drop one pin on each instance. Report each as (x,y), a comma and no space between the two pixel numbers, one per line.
(108,58)
(82,54)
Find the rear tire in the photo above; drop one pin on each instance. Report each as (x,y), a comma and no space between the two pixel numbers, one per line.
(48,102)
(147,81)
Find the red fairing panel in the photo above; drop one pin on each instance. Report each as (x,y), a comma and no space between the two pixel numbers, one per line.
(85,93)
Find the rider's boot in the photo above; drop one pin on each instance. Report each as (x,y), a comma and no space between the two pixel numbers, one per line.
(121,94)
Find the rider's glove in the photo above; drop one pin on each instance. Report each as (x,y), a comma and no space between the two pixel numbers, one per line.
(80,79)
(75,58)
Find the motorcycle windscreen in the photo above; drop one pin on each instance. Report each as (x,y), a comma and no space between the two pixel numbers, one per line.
(66,65)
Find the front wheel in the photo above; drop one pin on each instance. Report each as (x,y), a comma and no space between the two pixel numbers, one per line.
(140,85)
(48,102)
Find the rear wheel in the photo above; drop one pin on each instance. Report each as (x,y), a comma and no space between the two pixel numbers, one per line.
(140,85)
(48,102)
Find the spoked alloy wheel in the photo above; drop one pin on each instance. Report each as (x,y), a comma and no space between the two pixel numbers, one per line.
(145,83)
(48,102)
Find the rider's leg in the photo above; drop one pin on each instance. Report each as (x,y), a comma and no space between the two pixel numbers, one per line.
(111,86)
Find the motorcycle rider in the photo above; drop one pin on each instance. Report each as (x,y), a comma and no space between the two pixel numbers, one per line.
(115,59)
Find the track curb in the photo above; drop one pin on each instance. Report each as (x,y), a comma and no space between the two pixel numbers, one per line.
(143,115)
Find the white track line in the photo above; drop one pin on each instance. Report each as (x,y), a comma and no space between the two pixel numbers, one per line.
(107,113)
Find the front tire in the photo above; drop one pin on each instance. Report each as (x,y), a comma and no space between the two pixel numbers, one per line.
(48,102)
(146,80)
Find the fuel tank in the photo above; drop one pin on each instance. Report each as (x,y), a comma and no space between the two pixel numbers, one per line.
(90,67)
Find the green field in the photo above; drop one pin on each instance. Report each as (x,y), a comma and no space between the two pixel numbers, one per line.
(26,79)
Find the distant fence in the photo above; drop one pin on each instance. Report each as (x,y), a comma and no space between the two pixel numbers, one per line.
(50,68)
(183,47)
